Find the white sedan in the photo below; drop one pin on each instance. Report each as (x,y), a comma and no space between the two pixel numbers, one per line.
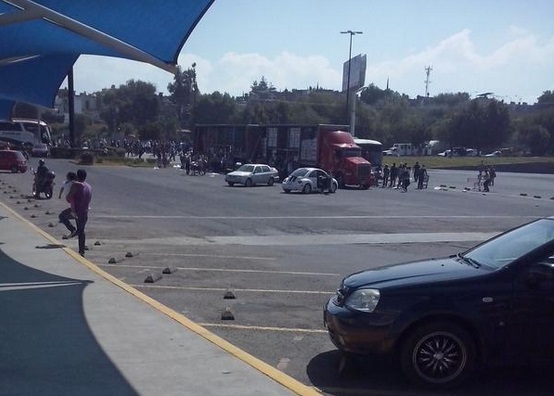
(252,174)
(309,180)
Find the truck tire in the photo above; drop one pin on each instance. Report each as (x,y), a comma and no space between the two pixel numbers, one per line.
(340,180)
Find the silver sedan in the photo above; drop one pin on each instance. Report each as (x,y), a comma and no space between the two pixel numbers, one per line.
(252,174)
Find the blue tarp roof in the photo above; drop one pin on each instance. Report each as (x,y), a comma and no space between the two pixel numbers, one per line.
(40,40)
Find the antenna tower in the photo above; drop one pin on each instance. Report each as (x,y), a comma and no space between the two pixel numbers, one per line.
(428,71)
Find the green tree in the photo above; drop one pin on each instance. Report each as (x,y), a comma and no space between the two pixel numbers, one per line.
(536,138)
(183,92)
(546,97)
(216,108)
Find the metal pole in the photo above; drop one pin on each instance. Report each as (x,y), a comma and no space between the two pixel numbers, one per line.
(71,105)
(351,33)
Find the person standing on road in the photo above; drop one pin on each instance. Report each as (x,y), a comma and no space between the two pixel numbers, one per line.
(422,175)
(393,174)
(386,173)
(79,197)
(65,216)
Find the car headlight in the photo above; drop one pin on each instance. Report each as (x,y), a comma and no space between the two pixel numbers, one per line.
(364,300)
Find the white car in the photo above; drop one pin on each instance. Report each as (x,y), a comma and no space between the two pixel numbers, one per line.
(307,180)
(252,174)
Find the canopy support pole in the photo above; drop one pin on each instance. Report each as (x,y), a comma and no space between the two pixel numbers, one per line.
(71,105)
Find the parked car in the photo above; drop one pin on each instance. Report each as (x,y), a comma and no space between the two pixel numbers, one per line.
(13,160)
(496,153)
(442,317)
(252,174)
(309,180)
(40,150)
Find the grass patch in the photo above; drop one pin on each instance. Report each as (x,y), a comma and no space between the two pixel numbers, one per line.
(436,162)
(134,162)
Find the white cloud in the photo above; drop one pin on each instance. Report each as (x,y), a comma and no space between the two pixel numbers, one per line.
(518,67)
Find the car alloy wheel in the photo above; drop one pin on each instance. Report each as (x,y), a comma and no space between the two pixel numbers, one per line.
(438,355)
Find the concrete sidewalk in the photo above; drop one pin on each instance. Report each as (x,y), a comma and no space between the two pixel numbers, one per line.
(69,328)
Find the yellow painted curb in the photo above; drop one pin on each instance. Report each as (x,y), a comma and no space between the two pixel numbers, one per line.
(270,371)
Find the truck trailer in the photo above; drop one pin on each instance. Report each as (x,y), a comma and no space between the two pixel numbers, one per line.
(287,147)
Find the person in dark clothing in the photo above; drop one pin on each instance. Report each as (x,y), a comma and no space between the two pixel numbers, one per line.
(40,175)
(393,175)
(417,167)
(422,175)
(79,197)
(386,174)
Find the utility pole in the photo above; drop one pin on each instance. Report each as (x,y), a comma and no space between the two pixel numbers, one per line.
(351,33)
(428,71)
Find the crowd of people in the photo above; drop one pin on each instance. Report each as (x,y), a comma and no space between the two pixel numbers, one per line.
(400,176)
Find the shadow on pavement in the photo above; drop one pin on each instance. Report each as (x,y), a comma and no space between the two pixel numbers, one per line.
(46,345)
(371,377)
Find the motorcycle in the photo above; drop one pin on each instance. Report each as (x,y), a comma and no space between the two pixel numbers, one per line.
(46,187)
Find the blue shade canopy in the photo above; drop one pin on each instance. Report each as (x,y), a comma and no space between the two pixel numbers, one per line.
(40,40)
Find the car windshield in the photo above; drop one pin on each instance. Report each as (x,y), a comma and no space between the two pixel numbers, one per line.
(512,245)
(246,168)
(300,172)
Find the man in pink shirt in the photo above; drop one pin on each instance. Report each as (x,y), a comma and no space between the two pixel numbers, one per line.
(79,197)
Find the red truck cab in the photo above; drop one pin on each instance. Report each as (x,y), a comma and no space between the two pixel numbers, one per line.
(339,155)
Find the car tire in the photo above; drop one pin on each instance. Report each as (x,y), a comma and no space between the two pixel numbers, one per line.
(14,169)
(307,189)
(231,184)
(333,188)
(248,183)
(438,355)
(271,181)
(287,191)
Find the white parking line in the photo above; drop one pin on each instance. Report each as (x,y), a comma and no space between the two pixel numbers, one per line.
(222,289)
(227,270)
(264,328)
(312,239)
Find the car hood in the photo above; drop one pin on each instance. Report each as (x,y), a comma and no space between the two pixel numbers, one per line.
(417,272)
(237,173)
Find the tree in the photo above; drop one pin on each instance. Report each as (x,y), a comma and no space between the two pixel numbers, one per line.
(135,102)
(215,108)
(183,92)
(536,138)
(546,97)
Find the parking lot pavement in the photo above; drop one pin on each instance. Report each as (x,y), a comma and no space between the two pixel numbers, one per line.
(74,329)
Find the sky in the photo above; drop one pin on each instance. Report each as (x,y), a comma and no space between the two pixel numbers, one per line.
(505,47)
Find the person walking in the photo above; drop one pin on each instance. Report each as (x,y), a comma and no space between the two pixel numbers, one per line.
(422,175)
(79,197)
(65,216)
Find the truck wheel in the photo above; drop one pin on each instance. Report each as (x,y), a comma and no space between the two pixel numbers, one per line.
(340,180)
(438,355)
(307,189)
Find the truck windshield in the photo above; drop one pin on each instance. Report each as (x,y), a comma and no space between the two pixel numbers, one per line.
(350,152)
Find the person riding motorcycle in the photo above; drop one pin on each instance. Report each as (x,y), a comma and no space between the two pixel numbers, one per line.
(40,175)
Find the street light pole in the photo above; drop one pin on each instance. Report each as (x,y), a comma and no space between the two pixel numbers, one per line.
(351,33)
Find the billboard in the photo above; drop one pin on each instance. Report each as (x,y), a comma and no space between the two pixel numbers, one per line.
(358,66)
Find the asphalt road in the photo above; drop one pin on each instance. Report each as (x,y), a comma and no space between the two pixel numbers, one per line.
(283,255)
